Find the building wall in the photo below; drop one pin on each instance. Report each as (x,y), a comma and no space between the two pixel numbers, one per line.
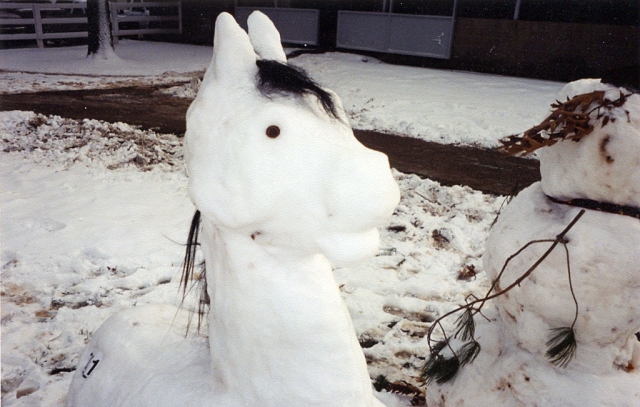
(561,51)
(558,51)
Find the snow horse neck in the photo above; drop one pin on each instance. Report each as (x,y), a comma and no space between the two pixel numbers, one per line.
(284,191)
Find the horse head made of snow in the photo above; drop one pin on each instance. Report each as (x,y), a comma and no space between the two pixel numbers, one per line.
(270,154)
(283,190)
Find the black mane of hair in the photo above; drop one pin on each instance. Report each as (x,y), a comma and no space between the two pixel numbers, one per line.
(283,79)
(189,278)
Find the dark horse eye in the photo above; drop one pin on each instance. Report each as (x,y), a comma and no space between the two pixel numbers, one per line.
(273,131)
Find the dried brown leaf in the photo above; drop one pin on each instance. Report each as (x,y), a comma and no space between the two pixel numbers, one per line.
(570,120)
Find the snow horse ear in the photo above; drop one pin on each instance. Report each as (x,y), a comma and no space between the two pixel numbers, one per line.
(234,59)
(265,37)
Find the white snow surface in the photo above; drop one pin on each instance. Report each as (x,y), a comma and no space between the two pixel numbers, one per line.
(430,104)
(134,58)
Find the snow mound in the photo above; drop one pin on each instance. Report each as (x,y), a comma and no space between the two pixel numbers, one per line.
(57,141)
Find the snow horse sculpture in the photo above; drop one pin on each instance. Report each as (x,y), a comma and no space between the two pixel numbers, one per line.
(284,191)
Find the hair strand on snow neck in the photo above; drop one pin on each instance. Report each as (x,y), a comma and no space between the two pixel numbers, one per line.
(189,277)
(280,78)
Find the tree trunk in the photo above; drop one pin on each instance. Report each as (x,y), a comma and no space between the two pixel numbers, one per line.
(100,41)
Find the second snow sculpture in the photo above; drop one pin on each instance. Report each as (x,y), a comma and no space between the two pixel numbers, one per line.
(284,190)
(591,162)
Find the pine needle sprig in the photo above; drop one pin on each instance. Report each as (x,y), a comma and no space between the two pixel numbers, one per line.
(440,368)
(469,352)
(465,326)
(444,368)
(561,346)
(570,120)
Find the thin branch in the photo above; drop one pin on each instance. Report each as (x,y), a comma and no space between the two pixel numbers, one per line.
(559,239)
(573,294)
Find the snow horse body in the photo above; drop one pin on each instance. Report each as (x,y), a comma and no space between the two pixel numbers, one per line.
(284,191)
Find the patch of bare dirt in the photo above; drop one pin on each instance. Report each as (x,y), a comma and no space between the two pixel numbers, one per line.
(485,170)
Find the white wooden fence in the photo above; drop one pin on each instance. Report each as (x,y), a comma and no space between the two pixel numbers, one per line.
(38,21)
(142,18)
(120,13)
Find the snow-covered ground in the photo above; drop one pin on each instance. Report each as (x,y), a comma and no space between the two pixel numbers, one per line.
(135,58)
(94,214)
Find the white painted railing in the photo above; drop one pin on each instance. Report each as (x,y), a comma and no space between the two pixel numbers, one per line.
(39,21)
(144,17)
(120,13)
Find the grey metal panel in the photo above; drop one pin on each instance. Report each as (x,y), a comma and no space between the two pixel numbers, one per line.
(242,14)
(420,35)
(296,25)
(396,33)
(363,30)
(299,25)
